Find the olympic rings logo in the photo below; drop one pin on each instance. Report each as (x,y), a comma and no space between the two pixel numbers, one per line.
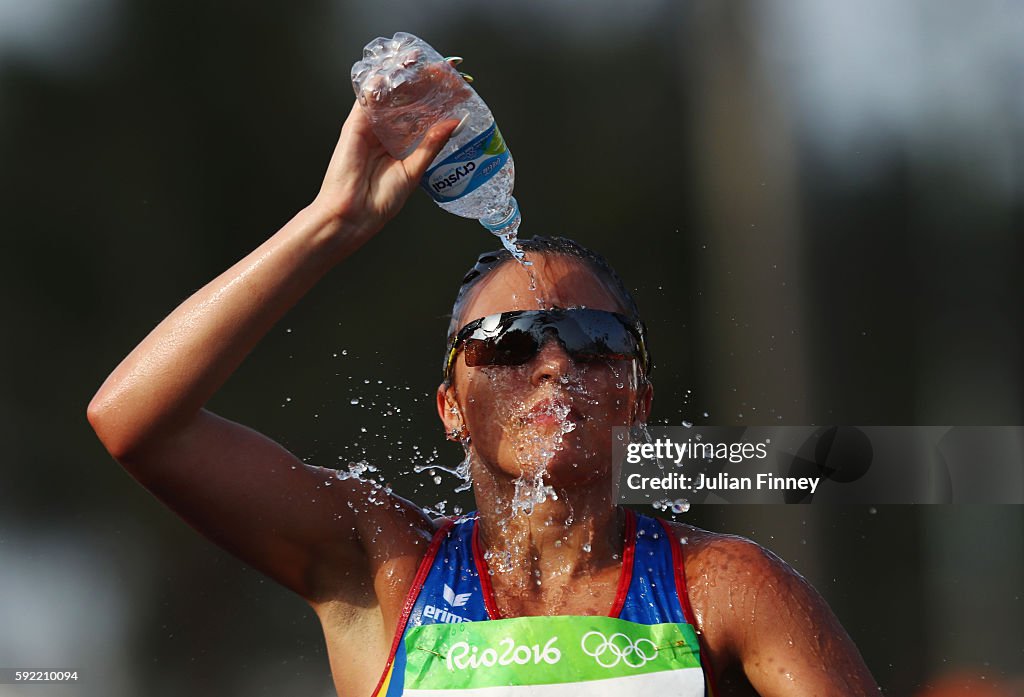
(608,651)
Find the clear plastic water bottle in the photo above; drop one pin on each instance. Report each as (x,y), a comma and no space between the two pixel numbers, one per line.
(405,87)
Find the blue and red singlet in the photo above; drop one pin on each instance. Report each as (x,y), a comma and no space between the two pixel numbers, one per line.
(452,640)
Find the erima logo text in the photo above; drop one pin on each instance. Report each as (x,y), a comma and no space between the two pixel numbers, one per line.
(432,612)
(439,614)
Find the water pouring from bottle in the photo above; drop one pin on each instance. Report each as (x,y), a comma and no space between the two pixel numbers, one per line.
(405,87)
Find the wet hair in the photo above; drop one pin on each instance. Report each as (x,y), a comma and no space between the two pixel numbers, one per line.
(544,246)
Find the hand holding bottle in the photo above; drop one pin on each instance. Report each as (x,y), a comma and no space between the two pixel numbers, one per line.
(403,99)
(405,86)
(364,185)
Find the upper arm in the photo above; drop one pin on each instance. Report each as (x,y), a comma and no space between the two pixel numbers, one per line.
(314,533)
(771,624)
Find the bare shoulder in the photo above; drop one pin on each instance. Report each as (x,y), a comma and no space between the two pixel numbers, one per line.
(762,623)
(724,573)
(393,535)
(724,557)
(362,603)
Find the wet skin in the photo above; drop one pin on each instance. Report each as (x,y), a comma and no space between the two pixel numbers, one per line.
(760,622)
(350,549)
(506,411)
(502,406)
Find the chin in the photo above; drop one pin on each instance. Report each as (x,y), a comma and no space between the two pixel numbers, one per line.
(570,467)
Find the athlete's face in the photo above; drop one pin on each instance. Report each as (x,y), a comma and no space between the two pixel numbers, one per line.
(551,413)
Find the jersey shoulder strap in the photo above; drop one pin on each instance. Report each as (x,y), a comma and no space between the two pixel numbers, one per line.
(446,589)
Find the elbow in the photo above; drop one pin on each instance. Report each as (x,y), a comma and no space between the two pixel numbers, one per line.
(107,422)
(130,429)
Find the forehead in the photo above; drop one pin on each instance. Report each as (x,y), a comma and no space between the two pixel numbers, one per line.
(561,281)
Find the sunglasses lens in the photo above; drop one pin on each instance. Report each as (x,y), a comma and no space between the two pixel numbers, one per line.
(592,334)
(514,338)
(513,347)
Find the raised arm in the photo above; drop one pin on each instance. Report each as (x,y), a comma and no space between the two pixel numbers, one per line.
(238,487)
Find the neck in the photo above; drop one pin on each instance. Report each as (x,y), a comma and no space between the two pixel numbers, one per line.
(539,539)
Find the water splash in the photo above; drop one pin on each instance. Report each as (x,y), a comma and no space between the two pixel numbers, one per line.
(356,470)
(530,492)
(460,471)
(676,507)
(499,561)
(537,431)
(509,241)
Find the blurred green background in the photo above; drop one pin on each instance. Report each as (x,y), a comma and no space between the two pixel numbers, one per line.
(818,204)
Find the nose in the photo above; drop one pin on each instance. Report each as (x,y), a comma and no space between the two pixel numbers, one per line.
(550,363)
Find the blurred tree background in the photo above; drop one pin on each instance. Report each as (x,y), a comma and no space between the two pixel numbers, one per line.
(819,207)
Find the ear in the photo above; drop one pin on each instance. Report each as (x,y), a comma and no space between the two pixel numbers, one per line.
(448,408)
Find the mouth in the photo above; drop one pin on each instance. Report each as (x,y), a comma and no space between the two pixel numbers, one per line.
(552,411)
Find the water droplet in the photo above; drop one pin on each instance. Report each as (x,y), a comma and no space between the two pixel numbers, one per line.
(680,506)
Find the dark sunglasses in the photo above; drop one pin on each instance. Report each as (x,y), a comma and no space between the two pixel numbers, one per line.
(514,338)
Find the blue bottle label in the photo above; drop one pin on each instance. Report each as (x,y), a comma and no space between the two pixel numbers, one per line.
(468,168)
